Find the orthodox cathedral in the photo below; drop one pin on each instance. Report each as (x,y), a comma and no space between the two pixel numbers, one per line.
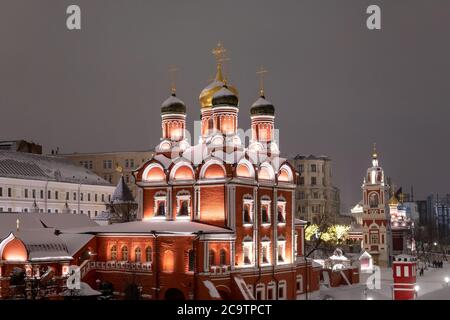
(217,218)
(386,230)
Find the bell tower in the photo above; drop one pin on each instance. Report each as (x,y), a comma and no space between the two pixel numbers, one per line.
(377,235)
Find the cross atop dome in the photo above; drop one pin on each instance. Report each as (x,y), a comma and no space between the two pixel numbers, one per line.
(374,151)
(173,73)
(220,53)
(261,72)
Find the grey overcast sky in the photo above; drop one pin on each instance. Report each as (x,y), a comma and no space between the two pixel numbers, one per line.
(337,87)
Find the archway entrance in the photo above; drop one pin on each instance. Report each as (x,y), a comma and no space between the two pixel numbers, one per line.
(173,294)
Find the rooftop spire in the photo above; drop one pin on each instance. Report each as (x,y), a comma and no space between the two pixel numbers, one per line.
(173,73)
(261,72)
(374,151)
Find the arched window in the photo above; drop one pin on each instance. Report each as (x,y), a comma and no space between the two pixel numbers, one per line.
(161,209)
(214,171)
(212,257)
(223,257)
(247,210)
(373,200)
(265,211)
(124,253)
(160,204)
(137,255)
(191,260)
(183,204)
(168,261)
(148,254)
(184,209)
(113,251)
(183,173)
(154,173)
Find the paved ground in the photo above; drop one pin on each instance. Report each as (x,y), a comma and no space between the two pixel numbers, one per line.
(431,284)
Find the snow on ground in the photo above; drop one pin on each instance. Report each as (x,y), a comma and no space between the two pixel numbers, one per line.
(431,286)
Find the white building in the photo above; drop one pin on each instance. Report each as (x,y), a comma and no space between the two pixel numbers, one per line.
(50,184)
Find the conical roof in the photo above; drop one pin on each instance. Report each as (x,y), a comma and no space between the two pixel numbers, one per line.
(122,193)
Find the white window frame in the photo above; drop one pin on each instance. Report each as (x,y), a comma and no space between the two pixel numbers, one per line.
(282,285)
(406,271)
(260,288)
(281,242)
(398,271)
(265,202)
(183,196)
(159,197)
(281,203)
(271,285)
(265,244)
(247,201)
(247,244)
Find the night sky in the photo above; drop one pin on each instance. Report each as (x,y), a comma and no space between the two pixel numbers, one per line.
(337,87)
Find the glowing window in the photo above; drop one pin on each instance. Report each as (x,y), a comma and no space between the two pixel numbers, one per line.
(243,171)
(124,253)
(137,255)
(155,174)
(214,171)
(148,254)
(183,173)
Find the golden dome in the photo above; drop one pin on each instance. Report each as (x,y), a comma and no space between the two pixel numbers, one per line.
(393,201)
(208,92)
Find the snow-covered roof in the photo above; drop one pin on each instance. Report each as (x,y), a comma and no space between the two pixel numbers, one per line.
(23,165)
(122,193)
(301,222)
(148,227)
(340,258)
(311,157)
(38,221)
(75,242)
(365,255)
(42,244)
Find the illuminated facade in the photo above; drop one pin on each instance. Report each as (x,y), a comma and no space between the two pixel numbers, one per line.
(217,217)
(377,235)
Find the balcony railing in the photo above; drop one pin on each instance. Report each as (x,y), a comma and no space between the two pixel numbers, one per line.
(219,270)
(115,265)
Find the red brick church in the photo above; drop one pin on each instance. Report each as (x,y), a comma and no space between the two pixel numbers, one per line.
(217,218)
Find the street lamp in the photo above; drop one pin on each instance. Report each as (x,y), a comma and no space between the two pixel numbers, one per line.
(435,244)
(369,298)
(416,288)
(446,279)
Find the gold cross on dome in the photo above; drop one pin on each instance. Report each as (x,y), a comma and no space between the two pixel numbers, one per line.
(261,72)
(219,52)
(173,73)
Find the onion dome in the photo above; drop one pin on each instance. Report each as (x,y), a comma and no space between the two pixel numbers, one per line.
(262,107)
(225,97)
(173,105)
(211,89)
(393,201)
